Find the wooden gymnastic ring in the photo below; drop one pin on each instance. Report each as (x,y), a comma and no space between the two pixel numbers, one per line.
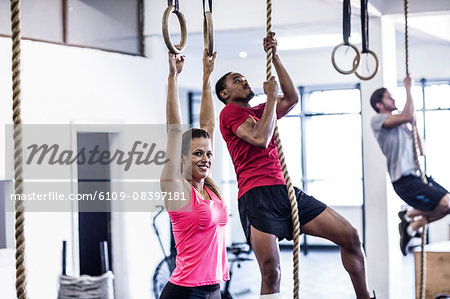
(208,33)
(355,60)
(376,67)
(166,33)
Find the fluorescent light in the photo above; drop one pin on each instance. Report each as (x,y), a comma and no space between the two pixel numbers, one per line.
(243,54)
(314,41)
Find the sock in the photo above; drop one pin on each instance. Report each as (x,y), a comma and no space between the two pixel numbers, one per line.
(410,231)
(407,218)
(271,296)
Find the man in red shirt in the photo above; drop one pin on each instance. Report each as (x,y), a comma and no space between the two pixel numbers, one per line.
(264,206)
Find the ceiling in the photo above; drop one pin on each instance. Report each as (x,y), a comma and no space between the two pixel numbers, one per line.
(240,25)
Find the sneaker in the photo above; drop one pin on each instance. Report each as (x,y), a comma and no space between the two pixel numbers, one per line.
(401,215)
(404,236)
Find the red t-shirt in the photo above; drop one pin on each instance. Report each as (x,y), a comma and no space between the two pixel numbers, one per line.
(254,167)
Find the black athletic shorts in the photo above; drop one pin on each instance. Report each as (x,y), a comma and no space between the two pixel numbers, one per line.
(417,194)
(173,291)
(268,209)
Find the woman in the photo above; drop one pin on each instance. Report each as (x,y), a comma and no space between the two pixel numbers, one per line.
(199,220)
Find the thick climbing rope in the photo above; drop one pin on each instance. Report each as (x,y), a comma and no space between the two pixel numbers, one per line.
(18,152)
(287,179)
(415,135)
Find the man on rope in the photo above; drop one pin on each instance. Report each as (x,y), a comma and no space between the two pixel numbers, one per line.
(264,205)
(395,139)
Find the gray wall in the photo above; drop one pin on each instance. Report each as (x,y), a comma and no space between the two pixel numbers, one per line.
(2,215)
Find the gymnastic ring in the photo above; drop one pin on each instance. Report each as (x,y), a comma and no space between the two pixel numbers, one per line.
(356,59)
(376,67)
(165,30)
(208,33)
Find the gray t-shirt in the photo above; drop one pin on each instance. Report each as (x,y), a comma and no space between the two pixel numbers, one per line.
(397,145)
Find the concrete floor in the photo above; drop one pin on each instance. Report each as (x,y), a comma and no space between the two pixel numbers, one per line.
(321,276)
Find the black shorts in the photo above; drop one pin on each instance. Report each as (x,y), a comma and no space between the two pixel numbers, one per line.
(173,291)
(268,209)
(417,194)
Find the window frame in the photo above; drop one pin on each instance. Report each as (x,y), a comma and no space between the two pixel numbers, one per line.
(64,28)
(423,111)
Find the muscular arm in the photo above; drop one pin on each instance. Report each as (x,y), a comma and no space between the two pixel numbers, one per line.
(259,133)
(172,171)
(407,115)
(207,110)
(290,93)
(171,179)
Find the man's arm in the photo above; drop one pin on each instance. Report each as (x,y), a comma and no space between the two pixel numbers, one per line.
(290,93)
(407,115)
(259,133)
(207,116)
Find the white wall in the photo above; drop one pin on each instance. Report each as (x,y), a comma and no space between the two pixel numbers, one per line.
(61,85)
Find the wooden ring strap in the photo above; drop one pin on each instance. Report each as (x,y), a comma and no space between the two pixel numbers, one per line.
(208,33)
(165,30)
(374,72)
(355,60)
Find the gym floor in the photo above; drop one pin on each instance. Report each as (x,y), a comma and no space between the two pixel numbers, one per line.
(321,276)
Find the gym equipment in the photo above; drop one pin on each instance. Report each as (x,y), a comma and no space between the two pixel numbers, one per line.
(21,279)
(365,41)
(287,179)
(174,8)
(346,32)
(165,268)
(208,28)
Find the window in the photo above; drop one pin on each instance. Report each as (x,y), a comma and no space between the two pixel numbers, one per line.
(32,14)
(194,103)
(432,103)
(321,140)
(332,147)
(106,24)
(115,25)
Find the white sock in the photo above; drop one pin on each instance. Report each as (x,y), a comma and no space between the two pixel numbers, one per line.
(410,231)
(407,218)
(271,296)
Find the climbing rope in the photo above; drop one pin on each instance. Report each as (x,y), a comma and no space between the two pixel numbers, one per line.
(287,179)
(415,135)
(425,226)
(18,152)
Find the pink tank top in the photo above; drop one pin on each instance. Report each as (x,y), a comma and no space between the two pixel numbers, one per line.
(199,231)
